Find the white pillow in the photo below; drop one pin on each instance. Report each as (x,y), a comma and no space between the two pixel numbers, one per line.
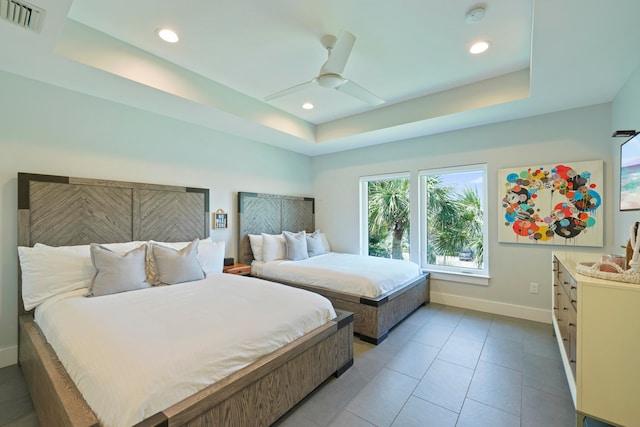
(296,245)
(117,273)
(48,271)
(119,248)
(211,256)
(52,270)
(315,245)
(325,243)
(256,246)
(273,247)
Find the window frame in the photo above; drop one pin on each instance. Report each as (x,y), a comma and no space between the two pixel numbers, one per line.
(364,204)
(478,276)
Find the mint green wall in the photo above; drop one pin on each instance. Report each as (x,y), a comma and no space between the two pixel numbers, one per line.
(48,130)
(45,129)
(574,135)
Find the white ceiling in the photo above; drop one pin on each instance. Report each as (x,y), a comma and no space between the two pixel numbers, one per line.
(545,56)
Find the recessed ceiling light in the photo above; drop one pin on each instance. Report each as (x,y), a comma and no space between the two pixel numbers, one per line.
(307,106)
(167,35)
(479,47)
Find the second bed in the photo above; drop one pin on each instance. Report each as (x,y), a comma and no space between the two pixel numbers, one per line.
(380,292)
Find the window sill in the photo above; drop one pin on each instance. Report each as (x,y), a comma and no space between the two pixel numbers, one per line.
(459,277)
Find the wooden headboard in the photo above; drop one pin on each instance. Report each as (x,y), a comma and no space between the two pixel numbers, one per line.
(271,214)
(61,210)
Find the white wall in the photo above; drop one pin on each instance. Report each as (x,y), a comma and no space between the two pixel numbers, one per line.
(625,114)
(570,136)
(48,130)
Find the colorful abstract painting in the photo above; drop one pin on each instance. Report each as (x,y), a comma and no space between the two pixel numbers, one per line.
(555,204)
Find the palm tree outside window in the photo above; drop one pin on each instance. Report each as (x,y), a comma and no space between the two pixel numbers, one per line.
(386,220)
(450,219)
(454,220)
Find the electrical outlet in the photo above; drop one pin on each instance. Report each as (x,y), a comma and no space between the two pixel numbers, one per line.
(533,288)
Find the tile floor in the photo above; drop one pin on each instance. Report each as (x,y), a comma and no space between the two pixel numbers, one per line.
(445,366)
(442,366)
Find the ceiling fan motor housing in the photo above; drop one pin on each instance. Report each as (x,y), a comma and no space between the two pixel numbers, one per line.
(330,80)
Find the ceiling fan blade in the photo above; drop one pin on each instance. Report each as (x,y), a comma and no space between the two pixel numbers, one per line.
(357,91)
(339,54)
(291,90)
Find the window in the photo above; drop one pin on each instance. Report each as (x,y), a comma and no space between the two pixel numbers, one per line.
(384,216)
(454,221)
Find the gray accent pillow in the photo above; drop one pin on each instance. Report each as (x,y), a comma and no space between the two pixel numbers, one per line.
(296,245)
(117,273)
(177,266)
(314,244)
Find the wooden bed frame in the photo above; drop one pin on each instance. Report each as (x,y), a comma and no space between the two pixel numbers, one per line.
(373,317)
(58,211)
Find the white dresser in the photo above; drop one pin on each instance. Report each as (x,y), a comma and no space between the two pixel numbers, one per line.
(597,324)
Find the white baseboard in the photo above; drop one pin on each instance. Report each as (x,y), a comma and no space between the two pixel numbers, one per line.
(8,356)
(493,307)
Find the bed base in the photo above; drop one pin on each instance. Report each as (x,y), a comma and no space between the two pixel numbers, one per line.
(374,317)
(257,395)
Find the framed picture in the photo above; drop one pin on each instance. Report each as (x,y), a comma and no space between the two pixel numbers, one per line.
(630,174)
(554,204)
(219,219)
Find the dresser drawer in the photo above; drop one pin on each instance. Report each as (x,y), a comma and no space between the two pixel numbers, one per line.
(565,296)
(567,282)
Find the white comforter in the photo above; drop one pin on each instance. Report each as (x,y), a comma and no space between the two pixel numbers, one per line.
(135,353)
(360,275)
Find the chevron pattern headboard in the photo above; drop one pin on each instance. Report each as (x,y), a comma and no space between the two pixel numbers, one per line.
(271,214)
(60,210)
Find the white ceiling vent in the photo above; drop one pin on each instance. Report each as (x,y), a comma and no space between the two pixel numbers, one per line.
(22,13)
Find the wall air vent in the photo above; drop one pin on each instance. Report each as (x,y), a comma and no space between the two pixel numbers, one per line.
(22,13)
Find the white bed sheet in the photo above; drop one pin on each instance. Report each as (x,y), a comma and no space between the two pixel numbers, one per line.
(360,275)
(136,353)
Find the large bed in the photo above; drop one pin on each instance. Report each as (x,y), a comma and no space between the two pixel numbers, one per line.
(404,288)
(268,373)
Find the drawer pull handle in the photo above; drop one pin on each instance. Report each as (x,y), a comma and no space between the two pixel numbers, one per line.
(564,308)
(565,339)
(574,287)
(564,282)
(572,361)
(571,324)
(572,301)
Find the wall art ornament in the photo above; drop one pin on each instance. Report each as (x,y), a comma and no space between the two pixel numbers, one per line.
(555,204)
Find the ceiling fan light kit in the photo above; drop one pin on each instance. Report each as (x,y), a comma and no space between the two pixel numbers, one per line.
(330,75)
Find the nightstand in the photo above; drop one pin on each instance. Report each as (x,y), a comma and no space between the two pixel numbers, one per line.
(239,269)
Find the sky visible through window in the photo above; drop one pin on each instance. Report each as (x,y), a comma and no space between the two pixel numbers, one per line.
(459,180)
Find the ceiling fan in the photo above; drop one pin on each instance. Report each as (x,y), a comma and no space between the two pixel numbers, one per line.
(330,75)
